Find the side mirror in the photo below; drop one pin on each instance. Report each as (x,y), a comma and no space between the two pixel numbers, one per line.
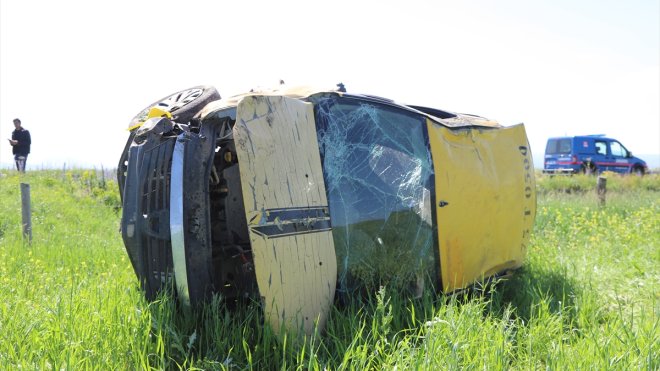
(628,154)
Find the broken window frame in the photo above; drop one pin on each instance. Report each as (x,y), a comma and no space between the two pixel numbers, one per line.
(375,265)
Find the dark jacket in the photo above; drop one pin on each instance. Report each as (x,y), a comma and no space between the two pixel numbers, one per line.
(23,146)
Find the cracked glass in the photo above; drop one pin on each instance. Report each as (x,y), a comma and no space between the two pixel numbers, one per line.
(378,174)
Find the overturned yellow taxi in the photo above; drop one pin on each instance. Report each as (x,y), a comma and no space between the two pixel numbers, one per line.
(301,196)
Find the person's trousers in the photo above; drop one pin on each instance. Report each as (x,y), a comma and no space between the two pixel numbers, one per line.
(20,160)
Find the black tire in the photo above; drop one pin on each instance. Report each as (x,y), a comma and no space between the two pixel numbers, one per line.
(183,105)
(638,170)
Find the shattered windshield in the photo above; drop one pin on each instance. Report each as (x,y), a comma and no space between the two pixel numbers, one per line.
(377,170)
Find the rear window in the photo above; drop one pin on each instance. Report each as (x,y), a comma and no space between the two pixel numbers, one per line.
(558,146)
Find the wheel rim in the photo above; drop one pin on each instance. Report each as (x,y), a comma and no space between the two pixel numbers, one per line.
(169,104)
(180,99)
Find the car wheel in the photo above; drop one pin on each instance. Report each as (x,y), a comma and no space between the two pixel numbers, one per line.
(638,170)
(182,105)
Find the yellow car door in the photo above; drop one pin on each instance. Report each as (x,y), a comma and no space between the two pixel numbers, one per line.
(287,210)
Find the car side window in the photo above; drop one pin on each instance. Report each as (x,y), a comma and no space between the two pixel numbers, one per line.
(617,149)
(601,148)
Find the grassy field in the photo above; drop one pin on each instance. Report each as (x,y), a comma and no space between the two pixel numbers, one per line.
(588,297)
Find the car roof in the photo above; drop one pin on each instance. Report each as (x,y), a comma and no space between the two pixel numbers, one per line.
(445,118)
(581,137)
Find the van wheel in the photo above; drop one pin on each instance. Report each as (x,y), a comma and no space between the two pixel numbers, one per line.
(638,170)
(183,105)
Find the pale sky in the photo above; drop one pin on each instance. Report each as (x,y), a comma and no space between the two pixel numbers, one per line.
(76,72)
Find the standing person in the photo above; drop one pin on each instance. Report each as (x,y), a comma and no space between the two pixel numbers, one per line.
(20,142)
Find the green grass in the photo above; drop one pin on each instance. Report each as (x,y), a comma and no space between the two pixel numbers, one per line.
(587,298)
(585,183)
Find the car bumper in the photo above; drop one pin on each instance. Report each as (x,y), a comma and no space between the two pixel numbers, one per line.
(560,171)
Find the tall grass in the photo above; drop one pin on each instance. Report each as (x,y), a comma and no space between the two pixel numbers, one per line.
(587,298)
(586,183)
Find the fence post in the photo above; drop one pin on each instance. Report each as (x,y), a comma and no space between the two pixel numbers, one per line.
(26,212)
(102,177)
(602,189)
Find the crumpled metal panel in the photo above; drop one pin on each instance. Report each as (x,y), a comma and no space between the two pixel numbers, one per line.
(378,174)
(486,201)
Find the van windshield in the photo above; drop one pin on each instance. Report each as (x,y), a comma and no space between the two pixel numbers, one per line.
(378,174)
(558,146)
